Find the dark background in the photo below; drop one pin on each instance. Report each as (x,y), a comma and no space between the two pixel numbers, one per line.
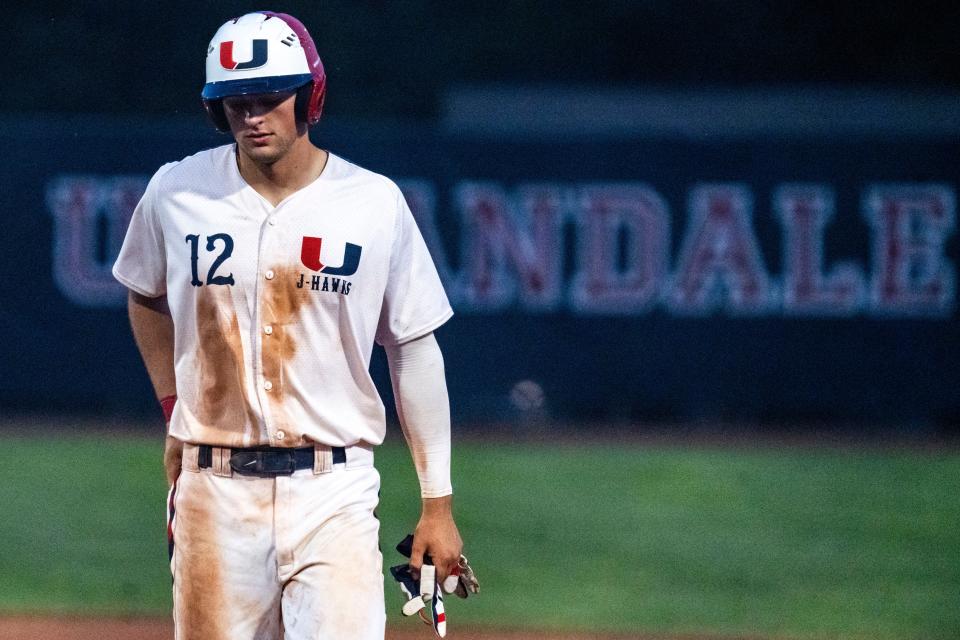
(395,59)
(107,89)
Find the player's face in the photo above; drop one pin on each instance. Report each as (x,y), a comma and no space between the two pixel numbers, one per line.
(264,125)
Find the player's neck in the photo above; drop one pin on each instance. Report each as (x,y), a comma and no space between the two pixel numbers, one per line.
(297,168)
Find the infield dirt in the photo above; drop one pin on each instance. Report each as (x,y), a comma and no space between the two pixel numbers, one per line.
(83,628)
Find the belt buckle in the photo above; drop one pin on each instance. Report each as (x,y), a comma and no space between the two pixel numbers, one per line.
(263,463)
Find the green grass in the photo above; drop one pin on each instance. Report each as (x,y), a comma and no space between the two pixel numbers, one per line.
(790,542)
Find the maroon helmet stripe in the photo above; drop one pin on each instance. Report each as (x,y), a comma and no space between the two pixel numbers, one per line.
(313,62)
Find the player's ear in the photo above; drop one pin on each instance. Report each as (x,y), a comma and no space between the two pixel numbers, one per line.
(302,104)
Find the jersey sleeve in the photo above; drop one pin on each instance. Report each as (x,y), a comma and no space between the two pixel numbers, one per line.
(414,302)
(142,264)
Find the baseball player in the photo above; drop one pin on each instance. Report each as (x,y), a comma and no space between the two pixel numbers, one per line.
(260,275)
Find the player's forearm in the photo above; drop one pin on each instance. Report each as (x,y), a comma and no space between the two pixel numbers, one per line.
(153,331)
(423,406)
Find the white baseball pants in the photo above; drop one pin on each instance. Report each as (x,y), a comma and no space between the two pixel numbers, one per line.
(294,557)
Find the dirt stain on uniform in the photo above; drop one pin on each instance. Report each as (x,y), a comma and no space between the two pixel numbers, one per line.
(282,302)
(201,607)
(222,401)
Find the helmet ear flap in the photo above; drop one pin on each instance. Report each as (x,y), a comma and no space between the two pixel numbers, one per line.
(302,104)
(217,115)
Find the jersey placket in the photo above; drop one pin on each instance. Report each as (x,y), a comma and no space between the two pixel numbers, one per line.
(269,327)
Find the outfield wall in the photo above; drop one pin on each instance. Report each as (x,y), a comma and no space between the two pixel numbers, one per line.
(641,276)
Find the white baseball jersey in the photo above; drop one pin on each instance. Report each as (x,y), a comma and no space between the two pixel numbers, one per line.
(277,308)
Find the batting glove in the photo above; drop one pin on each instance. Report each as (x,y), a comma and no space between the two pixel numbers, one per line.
(425,596)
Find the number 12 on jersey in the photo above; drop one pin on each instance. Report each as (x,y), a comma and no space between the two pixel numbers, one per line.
(194,242)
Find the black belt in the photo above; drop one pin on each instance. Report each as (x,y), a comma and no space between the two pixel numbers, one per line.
(267,461)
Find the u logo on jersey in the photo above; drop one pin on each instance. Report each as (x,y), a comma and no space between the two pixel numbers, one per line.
(310,257)
(258,59)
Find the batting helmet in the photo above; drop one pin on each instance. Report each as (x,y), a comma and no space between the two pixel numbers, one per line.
(276,54)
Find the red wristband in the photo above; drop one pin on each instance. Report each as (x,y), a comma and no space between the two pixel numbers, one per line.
(167,405)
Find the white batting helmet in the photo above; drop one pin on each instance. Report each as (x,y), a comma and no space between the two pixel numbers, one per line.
(263,52)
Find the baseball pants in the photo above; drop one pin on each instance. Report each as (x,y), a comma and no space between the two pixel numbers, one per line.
(263,558)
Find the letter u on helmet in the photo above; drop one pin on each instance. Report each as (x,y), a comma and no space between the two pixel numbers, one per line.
(263,52)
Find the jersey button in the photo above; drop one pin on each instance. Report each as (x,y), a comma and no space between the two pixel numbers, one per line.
(267,329)
(268,385)
(281,435)
(269,274)
(271,222)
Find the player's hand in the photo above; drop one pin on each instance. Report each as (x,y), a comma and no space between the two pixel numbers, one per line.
(424,592)
(437,535)
(172,459)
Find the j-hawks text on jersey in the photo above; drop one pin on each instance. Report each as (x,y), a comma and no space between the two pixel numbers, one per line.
(310,257)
